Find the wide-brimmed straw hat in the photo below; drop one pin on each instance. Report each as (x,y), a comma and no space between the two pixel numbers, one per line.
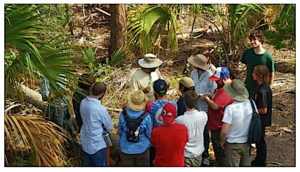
(199,61)
(149,61)
(237,90)
(136,100)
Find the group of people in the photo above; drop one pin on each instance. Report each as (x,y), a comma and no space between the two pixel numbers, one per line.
(156,131)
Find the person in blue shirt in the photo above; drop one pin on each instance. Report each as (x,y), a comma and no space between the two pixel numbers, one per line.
(93,115)
(135,154)
(202,70)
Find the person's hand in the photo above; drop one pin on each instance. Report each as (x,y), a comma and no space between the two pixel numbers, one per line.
(206,98)
(209,95)
(147,89)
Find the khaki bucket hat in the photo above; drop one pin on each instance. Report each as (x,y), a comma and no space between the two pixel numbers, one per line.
(199,61)
(149,61)
(237,90)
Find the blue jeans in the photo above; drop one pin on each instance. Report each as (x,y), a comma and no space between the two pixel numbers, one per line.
(98,159)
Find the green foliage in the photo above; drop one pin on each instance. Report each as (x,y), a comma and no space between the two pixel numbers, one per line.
(147,24)
(285,28)
(239,28)
(27,54)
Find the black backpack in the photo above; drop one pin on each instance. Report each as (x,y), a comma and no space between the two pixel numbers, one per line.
(133,126)
(255,126)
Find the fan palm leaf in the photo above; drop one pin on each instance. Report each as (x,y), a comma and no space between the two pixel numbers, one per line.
(150,23)
(26,55)
(27,134)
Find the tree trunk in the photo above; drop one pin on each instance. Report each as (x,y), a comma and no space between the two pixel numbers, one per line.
(118,23)
(32,97)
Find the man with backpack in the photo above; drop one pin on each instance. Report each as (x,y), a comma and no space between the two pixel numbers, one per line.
(235,128)
(263,101)
(134,129)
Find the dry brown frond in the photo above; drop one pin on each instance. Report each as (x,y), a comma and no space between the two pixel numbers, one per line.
(32,133)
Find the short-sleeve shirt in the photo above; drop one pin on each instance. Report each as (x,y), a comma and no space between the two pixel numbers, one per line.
(195,122)
(141,80)
(251,59)
(203,86)
(222,99)
(169,142)
(238,115)
(263,99)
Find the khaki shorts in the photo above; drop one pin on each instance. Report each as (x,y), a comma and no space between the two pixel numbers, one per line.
(193,162)
(237,154)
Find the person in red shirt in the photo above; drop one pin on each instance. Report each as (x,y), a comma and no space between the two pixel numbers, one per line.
(216,106)
(169,140)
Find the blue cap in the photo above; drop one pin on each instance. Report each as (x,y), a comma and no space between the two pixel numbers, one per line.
(160,86)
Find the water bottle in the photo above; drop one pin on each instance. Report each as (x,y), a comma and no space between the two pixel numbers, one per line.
(107,138)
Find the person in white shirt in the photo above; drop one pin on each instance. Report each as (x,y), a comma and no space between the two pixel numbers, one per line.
(145,76)
(235,128)
(195,122)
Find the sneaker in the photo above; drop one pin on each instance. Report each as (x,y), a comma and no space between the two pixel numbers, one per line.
(205,162)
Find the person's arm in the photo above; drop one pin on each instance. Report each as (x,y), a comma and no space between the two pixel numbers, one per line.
(271,80)
(223,134)
(106,120)
(211,103)
(120,125)
(148,126)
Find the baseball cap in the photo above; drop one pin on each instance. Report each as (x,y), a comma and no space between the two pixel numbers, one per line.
(168,113)
(160,86)
(220,73)
(187,82)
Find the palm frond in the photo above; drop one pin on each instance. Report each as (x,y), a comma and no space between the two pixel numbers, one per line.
(148,24)
(25,134)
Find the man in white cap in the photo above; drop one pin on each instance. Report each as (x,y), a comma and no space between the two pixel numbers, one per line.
(145,76)
(200,75)
(235,128)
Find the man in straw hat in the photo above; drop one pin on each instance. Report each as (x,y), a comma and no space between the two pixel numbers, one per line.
(93,115)
(144,77)
(169,140)
(216,106)
(235,128)
(200,75)
(135,153)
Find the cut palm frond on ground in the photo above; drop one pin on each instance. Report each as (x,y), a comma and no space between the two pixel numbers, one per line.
(33,134)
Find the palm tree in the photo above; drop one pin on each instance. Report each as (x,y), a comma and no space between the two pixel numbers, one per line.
(148,23)
(26,57)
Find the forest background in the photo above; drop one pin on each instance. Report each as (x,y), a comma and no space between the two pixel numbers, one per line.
(106,40)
